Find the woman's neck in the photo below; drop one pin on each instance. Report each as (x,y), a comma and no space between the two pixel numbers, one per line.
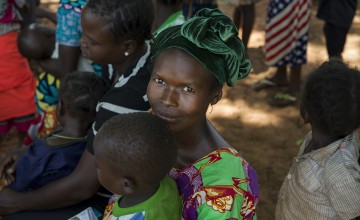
(197,142)
(132,59)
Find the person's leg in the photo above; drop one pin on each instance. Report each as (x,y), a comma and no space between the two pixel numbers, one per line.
(291,95)
(280,76)
(295,80)
(335,37)
(237,17)
(277,80)
(248,21)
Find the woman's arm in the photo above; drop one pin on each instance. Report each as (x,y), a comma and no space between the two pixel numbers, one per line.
(80,185)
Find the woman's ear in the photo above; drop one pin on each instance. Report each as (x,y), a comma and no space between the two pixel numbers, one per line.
(130,46)
(217,95)
(129,185)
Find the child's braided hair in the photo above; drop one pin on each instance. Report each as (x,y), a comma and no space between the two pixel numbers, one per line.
(80,92)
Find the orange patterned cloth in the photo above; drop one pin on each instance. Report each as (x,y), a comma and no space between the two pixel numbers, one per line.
(17,83)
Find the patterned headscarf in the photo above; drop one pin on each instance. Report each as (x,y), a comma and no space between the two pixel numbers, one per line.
(212,39)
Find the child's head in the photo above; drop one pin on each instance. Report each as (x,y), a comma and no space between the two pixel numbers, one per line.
(34,44)
(114,28)
(79,94)
(331,99)
(133,152)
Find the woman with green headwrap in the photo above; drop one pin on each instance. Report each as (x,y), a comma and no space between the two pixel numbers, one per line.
(191,64)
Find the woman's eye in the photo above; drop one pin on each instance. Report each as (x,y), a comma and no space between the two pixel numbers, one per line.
(188,89)
(159,81)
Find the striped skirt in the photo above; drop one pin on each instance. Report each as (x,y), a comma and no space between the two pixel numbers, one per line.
(286,32)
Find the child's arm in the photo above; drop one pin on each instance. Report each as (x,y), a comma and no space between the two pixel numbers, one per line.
(66,63)
(80,185)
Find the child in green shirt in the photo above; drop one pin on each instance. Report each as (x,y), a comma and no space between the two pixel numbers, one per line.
(133,154)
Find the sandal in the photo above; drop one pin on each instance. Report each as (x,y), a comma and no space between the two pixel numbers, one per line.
(282,99)
(265,84)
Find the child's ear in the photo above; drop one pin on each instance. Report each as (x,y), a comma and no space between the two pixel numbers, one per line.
(304,114)
(217,95)
(129,185)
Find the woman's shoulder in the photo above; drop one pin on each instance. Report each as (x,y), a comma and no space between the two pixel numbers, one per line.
(224,166)
(225,162)
(221,154)
(221,177)
(221,159)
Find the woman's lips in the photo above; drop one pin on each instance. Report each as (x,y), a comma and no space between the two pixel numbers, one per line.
(167,116)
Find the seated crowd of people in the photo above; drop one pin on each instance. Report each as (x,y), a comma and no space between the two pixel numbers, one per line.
(119,128)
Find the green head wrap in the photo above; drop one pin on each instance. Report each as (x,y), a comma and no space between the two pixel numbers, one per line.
(212,39)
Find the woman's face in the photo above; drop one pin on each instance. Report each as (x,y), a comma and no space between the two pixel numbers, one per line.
(97,42)
(180,89)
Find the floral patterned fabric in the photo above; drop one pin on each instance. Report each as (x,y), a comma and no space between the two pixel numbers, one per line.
(68,29)
(221,185)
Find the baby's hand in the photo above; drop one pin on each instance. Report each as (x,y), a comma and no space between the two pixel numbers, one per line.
(35,68)
(6,179)
(8,166)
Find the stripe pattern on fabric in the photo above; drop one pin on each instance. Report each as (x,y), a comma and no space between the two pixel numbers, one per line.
(122,82)
(287,29)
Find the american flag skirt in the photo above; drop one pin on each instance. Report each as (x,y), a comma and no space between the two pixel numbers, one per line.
(286,32)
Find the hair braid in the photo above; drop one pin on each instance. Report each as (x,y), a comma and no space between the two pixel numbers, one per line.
(127,19)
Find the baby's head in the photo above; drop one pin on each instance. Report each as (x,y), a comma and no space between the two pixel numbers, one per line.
(79,94)
(36,42)
(331,99)
(133,153)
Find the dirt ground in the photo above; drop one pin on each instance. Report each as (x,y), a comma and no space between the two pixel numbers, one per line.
(267,137)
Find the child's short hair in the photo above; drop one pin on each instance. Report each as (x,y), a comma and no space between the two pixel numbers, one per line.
(332,98)
(80,92)
(140,144)
(127,19)
(34,44)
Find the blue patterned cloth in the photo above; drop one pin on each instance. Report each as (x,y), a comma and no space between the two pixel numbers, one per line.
(68,29)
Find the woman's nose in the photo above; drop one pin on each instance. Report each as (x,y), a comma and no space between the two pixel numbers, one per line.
(170,97)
